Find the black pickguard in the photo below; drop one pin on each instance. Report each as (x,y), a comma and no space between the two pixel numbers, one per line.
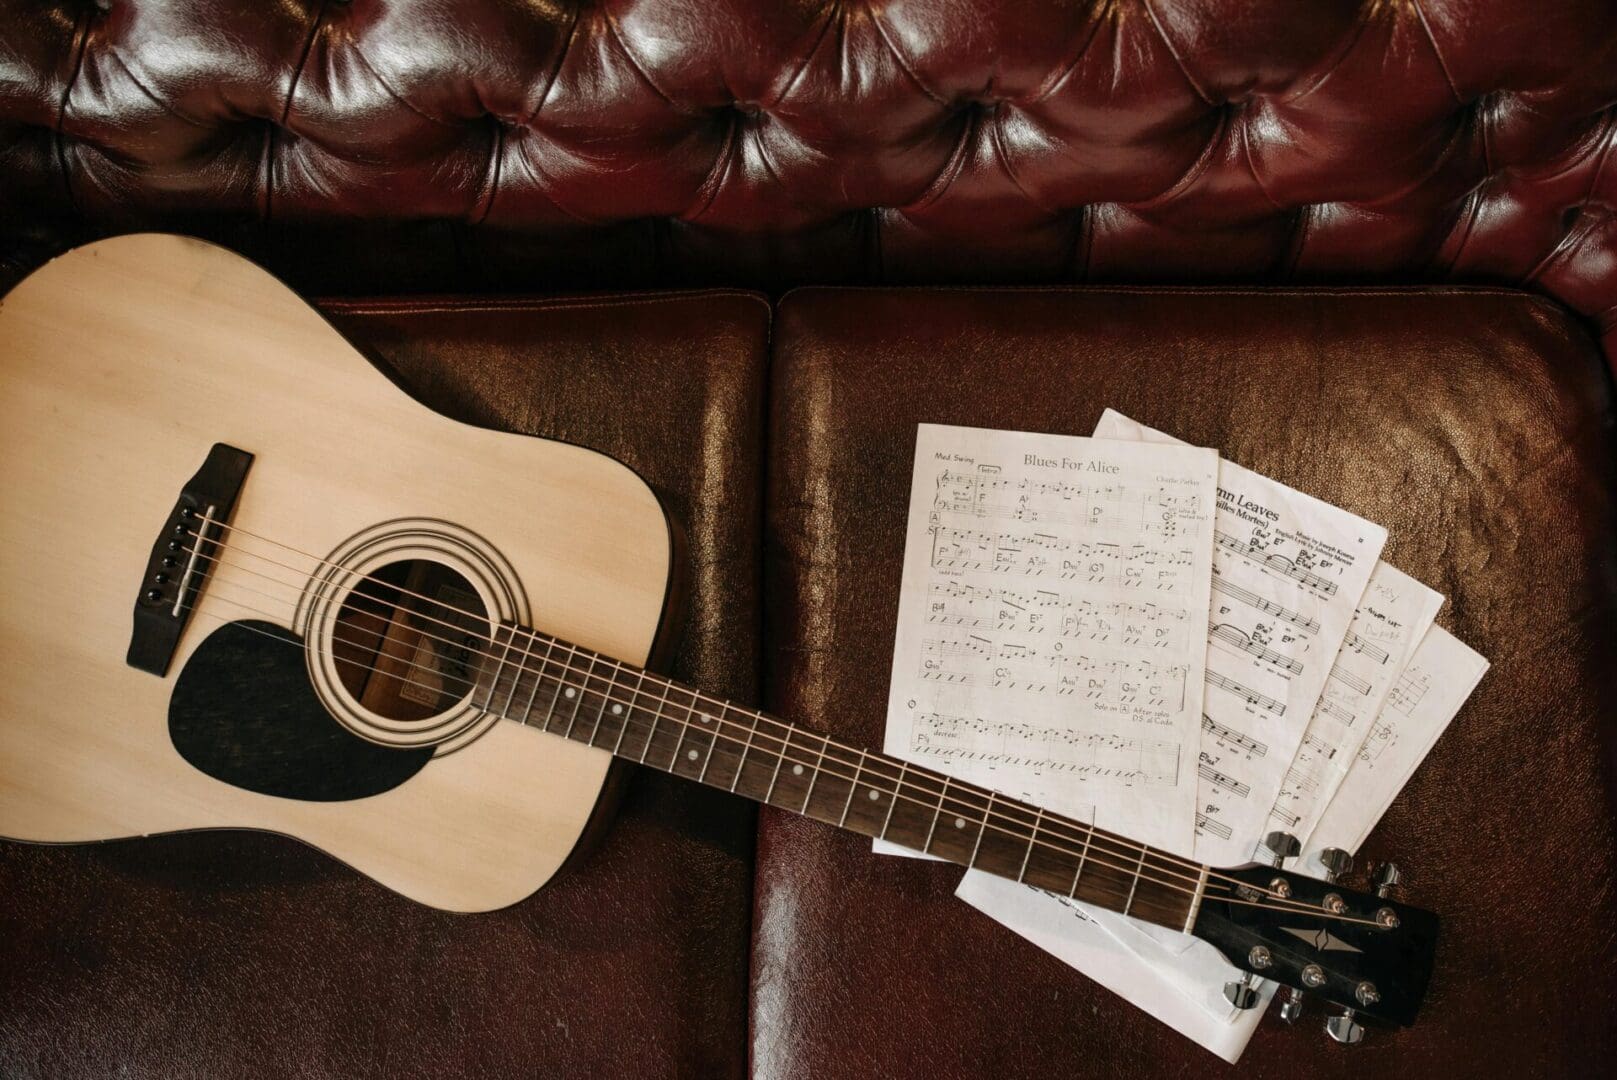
(243,712)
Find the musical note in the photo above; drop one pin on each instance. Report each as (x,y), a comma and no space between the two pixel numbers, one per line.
(1217,828)
(1252,697)
(1277,564)
(1252,599)
(1147,624)
(1233,636)
(1041,749)
(1366,648)
(1223,780)
(1232,737)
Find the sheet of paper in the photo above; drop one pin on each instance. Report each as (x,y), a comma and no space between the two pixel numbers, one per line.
(1049,639)
(1288,572)
(1393,615)
(1441,674)
(1062,928)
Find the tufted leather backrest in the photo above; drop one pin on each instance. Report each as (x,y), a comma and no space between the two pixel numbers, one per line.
(364,145)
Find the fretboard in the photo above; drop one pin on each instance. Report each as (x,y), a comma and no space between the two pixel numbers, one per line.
(546,683)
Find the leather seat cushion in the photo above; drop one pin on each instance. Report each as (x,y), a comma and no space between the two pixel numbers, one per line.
(242,955)
(1475,425)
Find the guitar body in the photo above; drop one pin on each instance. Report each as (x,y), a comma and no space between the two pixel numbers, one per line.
(123,365)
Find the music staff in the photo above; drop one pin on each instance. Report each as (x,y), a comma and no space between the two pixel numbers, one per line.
(987,493)
(1038,611)
(1217,828)
(1277,564)
(1231,737)
(1046,749)
(1366,648)
(1223,780)
(1252,697)
(975,660)
(1253,600)
(1346,678)
(1040,554)
(1231,635)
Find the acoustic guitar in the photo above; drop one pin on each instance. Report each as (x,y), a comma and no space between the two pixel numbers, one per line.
(248,582)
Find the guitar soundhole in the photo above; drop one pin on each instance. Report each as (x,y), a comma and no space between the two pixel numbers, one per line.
(408,640)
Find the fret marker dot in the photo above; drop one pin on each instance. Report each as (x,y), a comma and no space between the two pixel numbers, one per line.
(617,710)
(705,717)
(693,755)
(569,692)
(960,823)
(797,770)
(874,795)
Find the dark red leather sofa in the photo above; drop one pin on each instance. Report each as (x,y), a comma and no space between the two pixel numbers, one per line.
(1367,246)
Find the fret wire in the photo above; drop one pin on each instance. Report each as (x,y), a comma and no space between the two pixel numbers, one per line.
(600,714)
(1137,869)
(579,704)
(892,800)
(853,787)
(628,710)
(499,668)
(712,741)
(780,759)
(657,715)
(516,680)
(555,696)
(809,794)
(988,812)
(527,709)
(926,847)
(1080,871)
(742,764)
(684,729)
(1033,838)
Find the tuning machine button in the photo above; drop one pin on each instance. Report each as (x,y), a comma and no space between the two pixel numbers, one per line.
(1242,992)
(1388,877)
(1336,863)
(1281,846)
(1344,1029)
(1292,1007)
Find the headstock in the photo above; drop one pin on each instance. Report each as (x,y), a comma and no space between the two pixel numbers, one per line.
(1360,950)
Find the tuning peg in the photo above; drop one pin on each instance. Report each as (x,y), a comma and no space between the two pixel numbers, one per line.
(1292,1007)
(1281,846)
(1344,1029)
(1336,863)
(1387,878)
(1242,992)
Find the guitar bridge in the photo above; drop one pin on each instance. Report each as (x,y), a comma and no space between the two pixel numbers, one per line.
(183,556)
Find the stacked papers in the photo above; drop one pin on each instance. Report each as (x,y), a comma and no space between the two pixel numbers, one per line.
(1095,626)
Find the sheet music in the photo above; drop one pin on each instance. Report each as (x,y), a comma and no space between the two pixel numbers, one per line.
(1047,641)
(1288,572)
(1392,617)
(1441,675)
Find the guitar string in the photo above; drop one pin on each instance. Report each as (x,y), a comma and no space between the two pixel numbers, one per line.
(607,699)
(1128,851)
(1097,861)
(1277,904)
(1088,837)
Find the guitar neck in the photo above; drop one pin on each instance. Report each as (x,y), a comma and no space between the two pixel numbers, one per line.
(543,682)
